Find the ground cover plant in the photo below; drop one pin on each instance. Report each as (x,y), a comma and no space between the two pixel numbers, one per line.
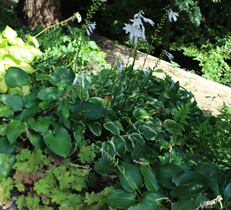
(71,129)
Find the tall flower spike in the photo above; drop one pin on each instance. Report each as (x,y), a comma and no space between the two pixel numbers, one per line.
(90,28)
(172,15)
(82,76)
(169,55)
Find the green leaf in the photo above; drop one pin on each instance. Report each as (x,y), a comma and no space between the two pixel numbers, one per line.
(150,180)
(166,172)
(6,163)
(31,102)
(9,33)
(120,145)
(132,178)
(37,141)
(138,207)
(104,166)
(41,125)
(108,149)
(172,126)
(86,154)
(95,128)
(143,153)
(16,102)
(65,112)
(140,114)
(227,193)
(27,113)
(120,199)
(149,199)
(6,111)
(3,129)
(185,205)
(5,146)
(148,132)
(48,94)
(62,77)
(110,126)
(16,77)
(14,130)
(136,138)
(189,191)
(59,142)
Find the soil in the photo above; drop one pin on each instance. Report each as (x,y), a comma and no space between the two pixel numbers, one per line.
(208,94)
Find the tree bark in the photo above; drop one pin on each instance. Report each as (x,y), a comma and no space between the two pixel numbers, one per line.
(42,13)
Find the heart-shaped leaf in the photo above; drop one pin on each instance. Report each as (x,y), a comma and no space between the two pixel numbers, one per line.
(62,77)
(16,102)
(112,128)
(148,132)
(120,145)
(108,149)
(37,141)
(95,128)
(41,125)
(16,77)
(60,142)
(140,114)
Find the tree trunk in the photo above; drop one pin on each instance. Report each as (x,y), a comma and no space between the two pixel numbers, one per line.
(42,13)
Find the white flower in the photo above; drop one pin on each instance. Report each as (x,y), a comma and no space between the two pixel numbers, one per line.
(169,55)
(120,66)
(75,80)
(79,18)
(82,76)
(103,1)
(137,29)
(82,79)
(172,15)
(90,28)
(127,58)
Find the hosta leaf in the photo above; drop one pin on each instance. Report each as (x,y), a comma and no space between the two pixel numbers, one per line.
(148,132)
(140,114)
(166,172)
(112,128)
(31,102)
(48,94)
(172,126)
(120,199)
(136,138)
(16,102)
(185,205)
(95,128)
(120,145)
(143,153)
(5,146)
(104,166)
(138,207)
(14,130)
(6,111)
(108,149)
(16,77)
(60,142)
(132,179)
(187,192)
(9,33)
(62,77)
(150,180)
(227,193)
(149,199)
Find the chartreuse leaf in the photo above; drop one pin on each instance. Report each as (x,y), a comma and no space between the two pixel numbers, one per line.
(58,142)
(86,154)
(104,166)
(95,128)
(5,146)
(227,193)
(132,178)
(110,126)
(6,185)
(149,199)
(16,102)
(6,163)
(166,172)
(41,125)
(120,145)
(120,199)
(150,180)
(16,77)
(14,130)
(9,33)
(185,205)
